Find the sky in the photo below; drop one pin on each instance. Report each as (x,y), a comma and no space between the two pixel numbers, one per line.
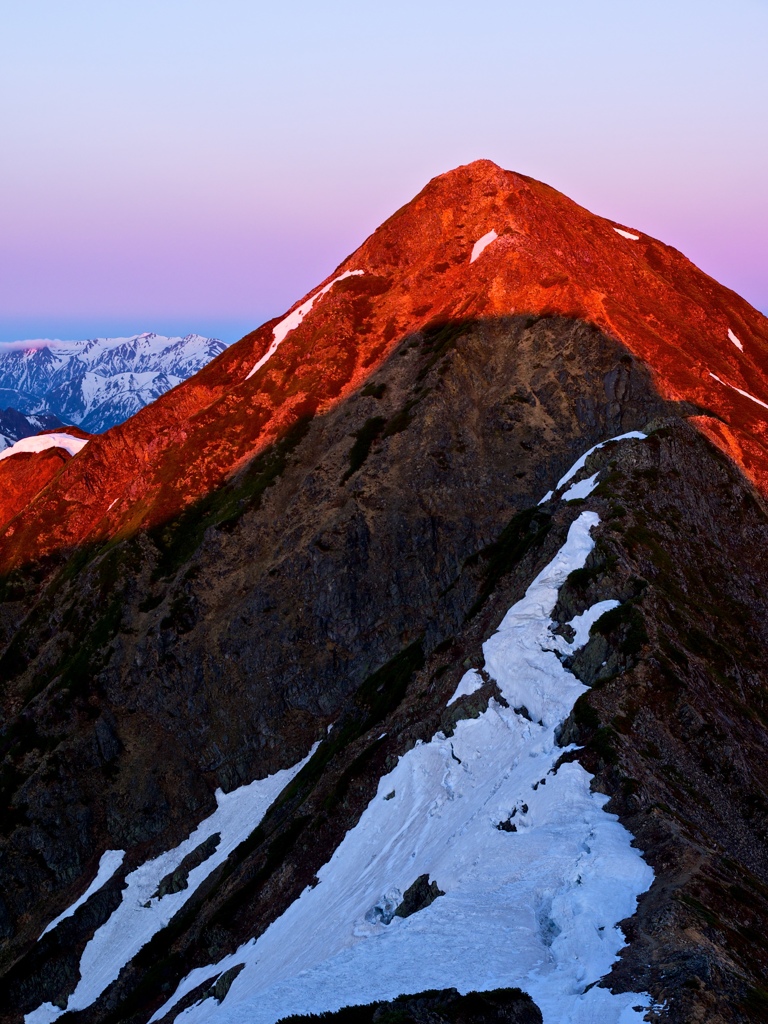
(199,165)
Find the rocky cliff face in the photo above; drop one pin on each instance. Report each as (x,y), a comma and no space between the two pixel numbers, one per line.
(310,553)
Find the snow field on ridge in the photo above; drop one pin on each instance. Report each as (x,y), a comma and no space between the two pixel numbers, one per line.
(582,489)
(468,684)
(482,243)
(292,321)
(134,923)
(582,460)
(537,908)
(40,442)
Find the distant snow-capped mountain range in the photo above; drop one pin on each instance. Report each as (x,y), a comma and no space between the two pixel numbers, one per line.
(94,383)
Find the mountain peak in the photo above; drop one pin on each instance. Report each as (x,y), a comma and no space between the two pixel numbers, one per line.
(371,616)
(543,254)
(478,243)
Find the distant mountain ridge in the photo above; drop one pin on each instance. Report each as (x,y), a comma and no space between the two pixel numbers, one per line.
(14,425)
(98,382)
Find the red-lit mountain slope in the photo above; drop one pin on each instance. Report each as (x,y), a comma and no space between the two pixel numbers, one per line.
(22,477)
(25,473)
(550,256)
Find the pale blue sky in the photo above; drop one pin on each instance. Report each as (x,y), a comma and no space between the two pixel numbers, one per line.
(199,165)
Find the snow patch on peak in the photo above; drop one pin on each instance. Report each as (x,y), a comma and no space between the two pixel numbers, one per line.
(732,337)
(626,234)
(292,321)
(40,442)
(482,243)
(725,384)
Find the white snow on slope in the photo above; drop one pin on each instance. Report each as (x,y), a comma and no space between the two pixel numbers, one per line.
(469,683)
(582,489)
(733,387)
(626,234)
(292,321)
(582,624)
(732,337)
(482,243)
(133,924)
(39,443)
(581,462)
(108,865)
(536,908)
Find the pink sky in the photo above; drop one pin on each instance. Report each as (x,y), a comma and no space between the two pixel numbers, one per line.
(199,166)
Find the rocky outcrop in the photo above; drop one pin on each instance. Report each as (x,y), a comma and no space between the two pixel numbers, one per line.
(422,893)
